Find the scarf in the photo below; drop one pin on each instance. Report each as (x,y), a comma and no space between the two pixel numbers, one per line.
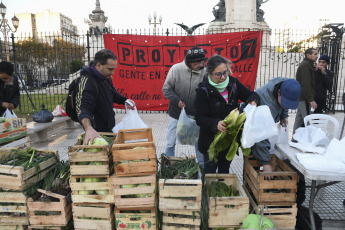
(220,86)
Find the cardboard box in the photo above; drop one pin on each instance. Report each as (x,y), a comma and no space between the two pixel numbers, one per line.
(13,135)
(12,124)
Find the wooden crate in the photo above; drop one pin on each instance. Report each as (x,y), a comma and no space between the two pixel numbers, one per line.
(283,216)
(44,227)
(13,227)
(227,212)
(181,220)
(135,219)
(13,135)
(285,179)
(12,124)
(62,208)
(134,135)
(77,185)
(121,194)
(79,161)
(13,209)
(134,159)
(180,194)
(15,178)
(93,216)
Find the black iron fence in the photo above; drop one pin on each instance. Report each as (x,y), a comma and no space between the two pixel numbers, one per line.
(47,63)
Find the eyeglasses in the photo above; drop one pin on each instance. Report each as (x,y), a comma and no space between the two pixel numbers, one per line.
(219,75)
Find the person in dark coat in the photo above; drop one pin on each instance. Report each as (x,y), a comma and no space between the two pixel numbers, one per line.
(323,82)
(216,96)
(9,88)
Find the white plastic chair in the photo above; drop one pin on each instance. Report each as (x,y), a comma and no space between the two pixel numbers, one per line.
(321,121)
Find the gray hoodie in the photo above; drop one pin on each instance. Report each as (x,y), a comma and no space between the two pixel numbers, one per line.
(261,149)
(180,84)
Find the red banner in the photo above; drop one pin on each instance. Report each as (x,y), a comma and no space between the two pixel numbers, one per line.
(144,61)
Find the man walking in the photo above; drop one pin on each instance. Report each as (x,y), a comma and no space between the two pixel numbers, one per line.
(96,94)
(9,88)
(306,77)
(179,88)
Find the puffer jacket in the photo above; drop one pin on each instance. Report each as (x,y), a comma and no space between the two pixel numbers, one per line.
(180,84)
(211,107)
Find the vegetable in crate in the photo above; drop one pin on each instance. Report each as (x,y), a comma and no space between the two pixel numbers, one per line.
(187,168)
(229,139)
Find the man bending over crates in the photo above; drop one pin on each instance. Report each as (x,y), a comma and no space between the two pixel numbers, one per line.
(280,94)
(96,94)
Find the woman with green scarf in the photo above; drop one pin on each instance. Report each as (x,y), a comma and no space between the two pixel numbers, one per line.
(216,96)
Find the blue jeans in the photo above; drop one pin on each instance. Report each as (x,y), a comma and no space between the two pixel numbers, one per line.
(171,142)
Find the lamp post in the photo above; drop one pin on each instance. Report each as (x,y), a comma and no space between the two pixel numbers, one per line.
(154,23)
(5,27)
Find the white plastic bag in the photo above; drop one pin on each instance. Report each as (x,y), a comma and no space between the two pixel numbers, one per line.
(311,136)
(58,111)
(9,114)
(258,126)
(281,138)
(130,121)
(187,131)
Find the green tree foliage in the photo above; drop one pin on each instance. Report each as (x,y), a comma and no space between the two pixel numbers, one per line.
(76,65)
(41,56)
(301,46)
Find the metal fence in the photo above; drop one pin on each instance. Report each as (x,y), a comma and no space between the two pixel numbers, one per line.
(47,63)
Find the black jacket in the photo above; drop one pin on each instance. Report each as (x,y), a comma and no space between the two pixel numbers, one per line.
(9,92)
(97,104)
(211,107)
(323,82)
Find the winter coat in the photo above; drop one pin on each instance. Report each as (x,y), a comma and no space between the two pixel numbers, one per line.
(211,107)
(305,75)
(9,92)
(97,103)
(180,84)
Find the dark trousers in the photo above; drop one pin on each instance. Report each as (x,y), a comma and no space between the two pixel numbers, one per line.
(321,106)
(222,164)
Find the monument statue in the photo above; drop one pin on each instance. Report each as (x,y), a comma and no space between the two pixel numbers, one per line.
(219,11)
(259,12)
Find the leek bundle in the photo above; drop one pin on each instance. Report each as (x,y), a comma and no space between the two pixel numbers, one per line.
(222,141)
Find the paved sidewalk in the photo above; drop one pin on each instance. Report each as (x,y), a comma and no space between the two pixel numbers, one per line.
(329,206)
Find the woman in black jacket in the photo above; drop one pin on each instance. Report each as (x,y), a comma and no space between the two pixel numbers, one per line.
(216,96)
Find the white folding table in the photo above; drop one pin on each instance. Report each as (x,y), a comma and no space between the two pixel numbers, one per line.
(332,178)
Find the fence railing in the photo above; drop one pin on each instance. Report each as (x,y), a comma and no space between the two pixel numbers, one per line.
(46,63)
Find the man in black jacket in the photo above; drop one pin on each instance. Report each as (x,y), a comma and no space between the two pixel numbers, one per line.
(9,88)
(323,82)
(96,94)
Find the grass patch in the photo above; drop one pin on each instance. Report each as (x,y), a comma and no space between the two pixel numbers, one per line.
(50,102)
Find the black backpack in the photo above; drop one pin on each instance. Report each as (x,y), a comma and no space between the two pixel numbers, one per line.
(71,97)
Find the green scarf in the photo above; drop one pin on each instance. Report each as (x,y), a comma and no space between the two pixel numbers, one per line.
(220,86)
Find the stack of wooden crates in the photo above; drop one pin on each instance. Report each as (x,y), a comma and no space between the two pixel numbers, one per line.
(179,201)
(277,194)
(13,181)
(227,212)
(92,186)
(134,155)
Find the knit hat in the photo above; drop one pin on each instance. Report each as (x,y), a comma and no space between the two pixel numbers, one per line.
(325,57)
(195,54)
(290,91)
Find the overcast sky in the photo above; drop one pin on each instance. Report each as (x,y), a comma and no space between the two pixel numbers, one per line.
(134,13)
